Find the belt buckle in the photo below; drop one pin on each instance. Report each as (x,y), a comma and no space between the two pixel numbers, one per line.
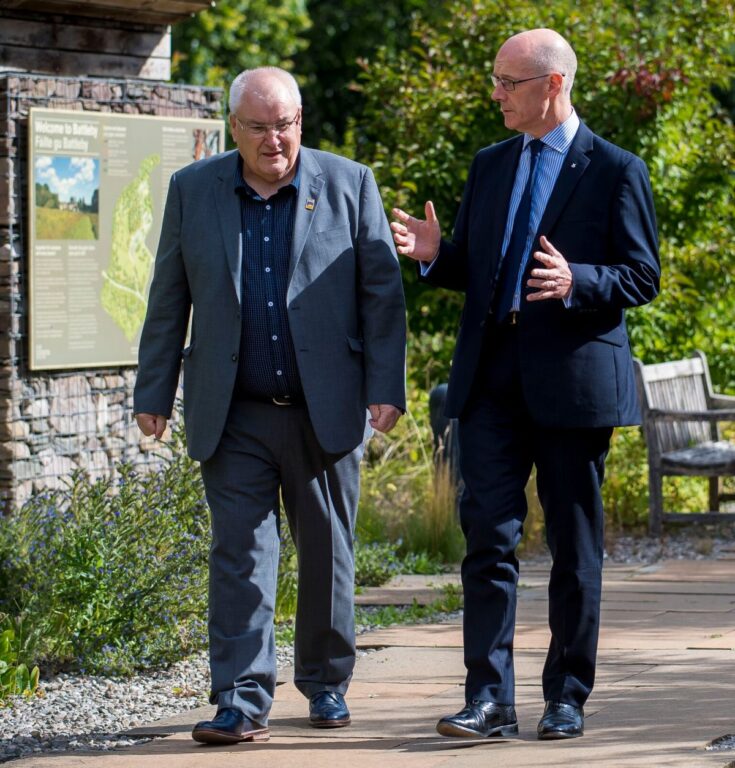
(281,401)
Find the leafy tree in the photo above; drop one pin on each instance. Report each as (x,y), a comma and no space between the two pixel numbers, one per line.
(647,79)
(342,38)
(45,198)
(213,46)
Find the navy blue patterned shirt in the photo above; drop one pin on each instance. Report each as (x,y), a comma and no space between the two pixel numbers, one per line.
(267,362)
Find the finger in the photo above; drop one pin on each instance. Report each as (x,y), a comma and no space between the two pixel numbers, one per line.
(545,258)
(400,215)
(430,213)
(547,246)
(541,295)
(399,228)
(160,426)
(543,274)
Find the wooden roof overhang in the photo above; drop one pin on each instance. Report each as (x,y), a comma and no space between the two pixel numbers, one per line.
(154,12)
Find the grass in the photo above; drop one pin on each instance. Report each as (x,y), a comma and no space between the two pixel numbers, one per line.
(53,224)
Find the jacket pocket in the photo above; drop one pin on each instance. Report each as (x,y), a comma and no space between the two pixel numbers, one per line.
(615,336)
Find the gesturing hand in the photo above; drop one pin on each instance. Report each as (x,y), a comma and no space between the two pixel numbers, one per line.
(555,280)
(417,239)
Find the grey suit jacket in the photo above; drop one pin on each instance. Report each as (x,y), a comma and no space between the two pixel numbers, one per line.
(345,302)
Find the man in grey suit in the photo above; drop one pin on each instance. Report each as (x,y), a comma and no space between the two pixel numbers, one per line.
(284,257)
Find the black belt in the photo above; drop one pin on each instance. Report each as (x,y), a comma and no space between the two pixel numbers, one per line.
(286,400)
(281,400)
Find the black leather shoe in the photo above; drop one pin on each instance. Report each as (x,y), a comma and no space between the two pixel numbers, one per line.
(481,718)
(327,709)
(229,726)
(561,721)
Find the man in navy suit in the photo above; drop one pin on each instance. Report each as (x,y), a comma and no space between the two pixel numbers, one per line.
(554,239)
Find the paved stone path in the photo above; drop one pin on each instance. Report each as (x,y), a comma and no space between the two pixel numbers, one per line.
(665,688)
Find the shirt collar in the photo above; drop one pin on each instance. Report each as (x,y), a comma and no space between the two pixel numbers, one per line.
(559,138)
(242,186)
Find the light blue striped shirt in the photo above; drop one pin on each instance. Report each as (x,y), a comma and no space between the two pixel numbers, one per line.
(556,145)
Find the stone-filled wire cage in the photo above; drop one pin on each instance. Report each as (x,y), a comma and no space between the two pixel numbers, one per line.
(53,423)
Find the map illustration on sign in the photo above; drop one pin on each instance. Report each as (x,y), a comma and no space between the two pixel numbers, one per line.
(131,261)
(97,191)
(67,197)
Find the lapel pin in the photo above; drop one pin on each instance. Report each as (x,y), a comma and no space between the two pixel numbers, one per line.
(310,203)
(574,165)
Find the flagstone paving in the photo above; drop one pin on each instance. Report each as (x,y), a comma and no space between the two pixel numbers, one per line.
(665,687)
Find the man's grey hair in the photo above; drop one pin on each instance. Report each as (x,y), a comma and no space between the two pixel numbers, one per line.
(250,81)
(557,56)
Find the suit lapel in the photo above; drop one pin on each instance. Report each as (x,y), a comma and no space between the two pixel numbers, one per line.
(311,184)
(575,164)
(230,220)
(495,214)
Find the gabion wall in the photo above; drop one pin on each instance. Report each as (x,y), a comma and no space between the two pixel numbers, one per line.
(55,423)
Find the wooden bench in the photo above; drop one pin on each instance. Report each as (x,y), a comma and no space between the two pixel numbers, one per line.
(680,425)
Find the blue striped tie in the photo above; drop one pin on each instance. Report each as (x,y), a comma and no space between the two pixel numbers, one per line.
(514,253)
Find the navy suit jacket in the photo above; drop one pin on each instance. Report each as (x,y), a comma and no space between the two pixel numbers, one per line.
(576,364)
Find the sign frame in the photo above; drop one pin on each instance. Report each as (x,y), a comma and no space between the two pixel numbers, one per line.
(89,267)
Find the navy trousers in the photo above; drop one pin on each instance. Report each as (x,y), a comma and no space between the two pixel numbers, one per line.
(499,445)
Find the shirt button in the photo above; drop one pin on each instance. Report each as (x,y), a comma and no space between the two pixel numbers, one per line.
(270,303)
(234,358)
(274,337)
(267,239)
(267,207)
(279,373)
(267,269)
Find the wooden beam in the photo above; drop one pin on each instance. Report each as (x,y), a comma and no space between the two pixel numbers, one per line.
(59,34)
(699,517)
(55,62)
(142,11)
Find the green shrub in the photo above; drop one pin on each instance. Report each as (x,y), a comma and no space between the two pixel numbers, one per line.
(15,676)
(111,575)
(287,586)
(375,563)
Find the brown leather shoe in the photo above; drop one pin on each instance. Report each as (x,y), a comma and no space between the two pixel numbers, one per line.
(229,726)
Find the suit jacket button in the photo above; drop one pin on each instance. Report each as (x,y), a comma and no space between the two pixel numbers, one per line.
(234,358)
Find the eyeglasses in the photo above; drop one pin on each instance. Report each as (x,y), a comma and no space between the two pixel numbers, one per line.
(510,85)
(260,130)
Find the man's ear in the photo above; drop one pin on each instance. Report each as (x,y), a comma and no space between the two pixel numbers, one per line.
(556,83)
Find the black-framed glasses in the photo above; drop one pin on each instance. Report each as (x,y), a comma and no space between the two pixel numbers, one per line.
(260,130)
(510,85)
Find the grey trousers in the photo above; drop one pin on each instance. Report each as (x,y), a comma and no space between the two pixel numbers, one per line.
(266,450)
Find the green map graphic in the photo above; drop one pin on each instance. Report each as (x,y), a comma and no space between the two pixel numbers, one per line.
(126,278)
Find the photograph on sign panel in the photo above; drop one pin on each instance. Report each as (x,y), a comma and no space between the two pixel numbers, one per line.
(67,197)
(204,143)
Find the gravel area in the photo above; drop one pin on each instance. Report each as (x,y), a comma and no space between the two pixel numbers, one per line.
(92,712)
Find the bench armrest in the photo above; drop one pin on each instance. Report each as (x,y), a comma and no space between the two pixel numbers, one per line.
(723,402)
(723,414)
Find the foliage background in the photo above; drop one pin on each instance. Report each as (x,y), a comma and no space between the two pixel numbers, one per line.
(112,579)
(405,88)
